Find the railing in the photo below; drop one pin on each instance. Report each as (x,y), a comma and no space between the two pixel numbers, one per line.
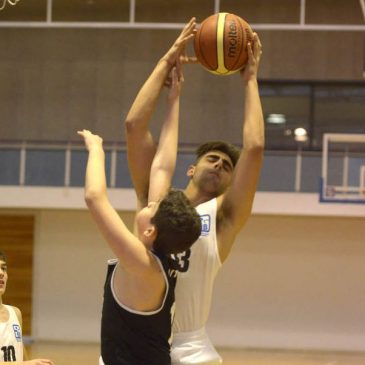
(63,164)
(301,24)
(20,152)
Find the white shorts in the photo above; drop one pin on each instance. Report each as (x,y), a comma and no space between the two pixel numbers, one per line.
(190,348)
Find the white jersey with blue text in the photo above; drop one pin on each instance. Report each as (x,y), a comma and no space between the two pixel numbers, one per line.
(11,341)
(198,268)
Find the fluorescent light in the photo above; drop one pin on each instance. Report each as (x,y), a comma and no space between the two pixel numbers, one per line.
(300,134)
(276,119)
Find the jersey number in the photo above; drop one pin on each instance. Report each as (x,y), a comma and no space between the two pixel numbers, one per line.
(181,261)
(8,353)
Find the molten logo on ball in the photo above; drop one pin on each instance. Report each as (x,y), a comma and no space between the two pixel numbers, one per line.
(221,43)
(232,36)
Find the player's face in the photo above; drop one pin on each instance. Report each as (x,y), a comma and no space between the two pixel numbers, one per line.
(213,172)
(144,216)
(3,276)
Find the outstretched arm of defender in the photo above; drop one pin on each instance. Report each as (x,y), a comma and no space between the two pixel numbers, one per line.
(131,252)
(236,204)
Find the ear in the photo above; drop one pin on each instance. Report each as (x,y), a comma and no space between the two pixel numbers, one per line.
(191,170)
(150,233)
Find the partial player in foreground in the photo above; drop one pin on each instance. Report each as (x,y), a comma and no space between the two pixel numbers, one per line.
(11,338)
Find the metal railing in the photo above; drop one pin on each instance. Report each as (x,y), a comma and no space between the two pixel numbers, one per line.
(132,24)
(113,152)
(68,148)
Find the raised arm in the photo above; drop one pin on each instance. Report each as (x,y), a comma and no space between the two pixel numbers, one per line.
(164,162)
(131,252)
(140,144)
(236,204)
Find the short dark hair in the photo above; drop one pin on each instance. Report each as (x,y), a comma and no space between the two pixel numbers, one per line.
(177,222)
(229,149)
(2,256)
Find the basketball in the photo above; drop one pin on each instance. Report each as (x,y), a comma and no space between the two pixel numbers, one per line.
(220,43)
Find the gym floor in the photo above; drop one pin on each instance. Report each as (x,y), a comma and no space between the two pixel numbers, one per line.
(64,353)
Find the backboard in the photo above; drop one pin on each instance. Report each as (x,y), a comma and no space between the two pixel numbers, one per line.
(343,168)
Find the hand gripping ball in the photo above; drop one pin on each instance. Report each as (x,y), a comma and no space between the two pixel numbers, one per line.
(220,43)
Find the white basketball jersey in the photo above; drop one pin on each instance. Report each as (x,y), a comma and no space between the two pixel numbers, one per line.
(198,269)
(11,342)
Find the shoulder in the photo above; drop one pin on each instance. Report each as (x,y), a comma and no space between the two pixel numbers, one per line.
(18,313)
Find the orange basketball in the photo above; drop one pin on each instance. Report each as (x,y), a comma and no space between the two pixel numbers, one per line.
(221,43)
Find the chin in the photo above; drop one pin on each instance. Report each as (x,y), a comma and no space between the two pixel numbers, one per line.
(216,190)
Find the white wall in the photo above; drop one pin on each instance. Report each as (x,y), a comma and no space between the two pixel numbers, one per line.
(291,282)
(69,269)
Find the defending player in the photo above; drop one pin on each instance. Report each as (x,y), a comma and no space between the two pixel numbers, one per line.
(11,340)
(139,291)
(222,187)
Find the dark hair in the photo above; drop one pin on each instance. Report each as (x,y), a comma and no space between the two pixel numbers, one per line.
(2,256)
(231,151)
(177,223)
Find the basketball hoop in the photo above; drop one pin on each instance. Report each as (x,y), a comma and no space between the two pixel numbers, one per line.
(10,2)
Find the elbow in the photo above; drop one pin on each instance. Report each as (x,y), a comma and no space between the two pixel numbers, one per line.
(256,143)
(255,152)
(131,125)
(93,196)
(256,147)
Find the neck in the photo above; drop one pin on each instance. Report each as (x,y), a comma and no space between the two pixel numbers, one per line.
(196,196)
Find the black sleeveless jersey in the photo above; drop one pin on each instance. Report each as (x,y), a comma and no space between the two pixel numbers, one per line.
(137,338)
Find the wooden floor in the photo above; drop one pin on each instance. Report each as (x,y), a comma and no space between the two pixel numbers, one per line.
(87,354)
